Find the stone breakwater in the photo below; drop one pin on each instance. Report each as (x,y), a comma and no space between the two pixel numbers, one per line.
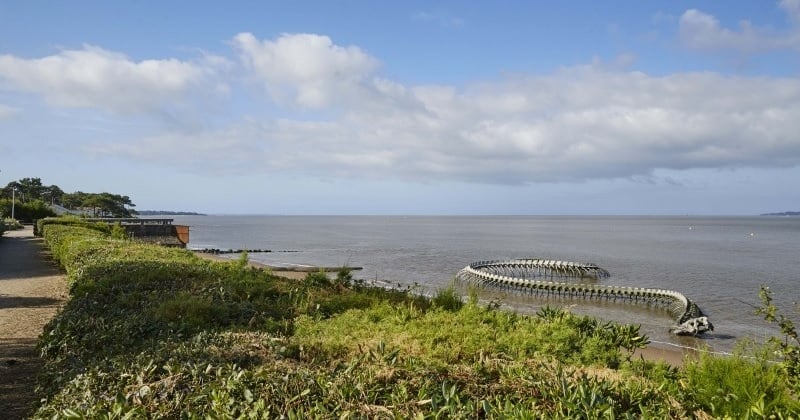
(537,276)
(217,251)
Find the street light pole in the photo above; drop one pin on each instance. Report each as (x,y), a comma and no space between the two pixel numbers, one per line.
(13,197)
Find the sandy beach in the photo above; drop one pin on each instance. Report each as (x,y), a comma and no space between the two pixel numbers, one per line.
(289,274)
(672,356)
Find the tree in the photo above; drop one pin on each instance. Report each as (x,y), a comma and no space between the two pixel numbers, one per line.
(32,191)
(102,204)
(52,194)
(26,212)
(74,200)
(6,192)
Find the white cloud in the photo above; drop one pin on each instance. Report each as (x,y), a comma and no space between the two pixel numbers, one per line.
(96,78)
(306,69)
(7,111)
(702,31)
(792,7)
(575,124)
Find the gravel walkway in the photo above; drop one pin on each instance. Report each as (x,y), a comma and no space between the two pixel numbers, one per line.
(32,289)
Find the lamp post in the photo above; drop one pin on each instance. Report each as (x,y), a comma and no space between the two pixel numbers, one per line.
(13,197)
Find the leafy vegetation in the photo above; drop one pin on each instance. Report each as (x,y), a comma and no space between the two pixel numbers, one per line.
(26,212)
(10,224)
(789,347)
(29,199)
(32,201)
(31,189)
(744,385)
(101,204)
(153,332)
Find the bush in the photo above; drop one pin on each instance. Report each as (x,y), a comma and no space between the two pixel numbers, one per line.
(789,346)
(159,333)
(71,221)
(26,212)
(448,299)
(317,278)
(11,224)
(738,386)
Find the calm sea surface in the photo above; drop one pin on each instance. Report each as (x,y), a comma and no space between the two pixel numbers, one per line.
(719,262)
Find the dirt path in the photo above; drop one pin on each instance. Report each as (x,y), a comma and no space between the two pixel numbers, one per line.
(31,291)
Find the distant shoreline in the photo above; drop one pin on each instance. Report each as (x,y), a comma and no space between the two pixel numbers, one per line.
(784,213)
(168,213)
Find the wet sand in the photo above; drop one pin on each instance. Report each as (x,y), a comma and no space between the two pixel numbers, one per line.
(293,275)
(672,356)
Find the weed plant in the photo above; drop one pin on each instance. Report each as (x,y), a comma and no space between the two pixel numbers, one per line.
(152,332)
(787,348)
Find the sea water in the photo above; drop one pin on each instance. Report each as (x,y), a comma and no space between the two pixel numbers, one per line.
(718,262)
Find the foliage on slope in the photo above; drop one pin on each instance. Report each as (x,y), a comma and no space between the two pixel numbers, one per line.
(159,333)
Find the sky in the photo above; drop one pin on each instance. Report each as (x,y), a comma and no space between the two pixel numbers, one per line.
(407,107)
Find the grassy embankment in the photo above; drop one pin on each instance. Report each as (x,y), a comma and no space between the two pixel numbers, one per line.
(156,332)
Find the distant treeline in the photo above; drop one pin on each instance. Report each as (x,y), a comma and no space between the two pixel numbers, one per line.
(785,213)
(168,213)
(30,199)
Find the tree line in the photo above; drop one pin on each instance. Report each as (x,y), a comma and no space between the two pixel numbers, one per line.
(34,200)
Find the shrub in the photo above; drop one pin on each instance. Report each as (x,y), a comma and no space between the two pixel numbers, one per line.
(317,278)
(738,386)
(192,313)
(789,346)
(26,211)
(118,232)
(159,333)
(448,299)
(72,221)
(344,277)
(11,224)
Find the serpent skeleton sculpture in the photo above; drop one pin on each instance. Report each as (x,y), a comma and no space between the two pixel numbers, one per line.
(530,275)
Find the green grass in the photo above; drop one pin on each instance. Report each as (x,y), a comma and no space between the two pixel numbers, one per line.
(152,332)
(744,384)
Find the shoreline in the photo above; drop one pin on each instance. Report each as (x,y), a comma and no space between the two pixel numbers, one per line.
(292,273)
(674,357)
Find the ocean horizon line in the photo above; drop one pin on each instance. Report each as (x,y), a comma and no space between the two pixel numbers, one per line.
(643,215)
